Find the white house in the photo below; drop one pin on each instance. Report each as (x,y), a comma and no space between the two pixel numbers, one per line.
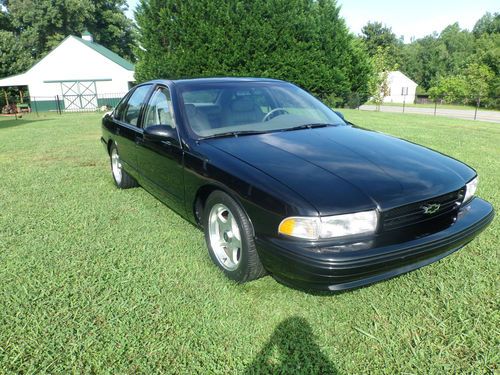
(401,88)
(79,73)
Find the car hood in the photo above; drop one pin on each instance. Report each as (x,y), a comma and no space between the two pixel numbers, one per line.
(344,169)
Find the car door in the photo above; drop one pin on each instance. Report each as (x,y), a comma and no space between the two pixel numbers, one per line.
(160,162)
(127,118)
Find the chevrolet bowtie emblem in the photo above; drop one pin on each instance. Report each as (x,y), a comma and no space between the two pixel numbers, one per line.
(430,208)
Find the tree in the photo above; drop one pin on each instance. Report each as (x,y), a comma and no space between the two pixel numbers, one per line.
(42,24)
(303,41)
(469,86)
(452,89)
(112,28)
(379,87)
(478,78)
(14,58)
(375,35)
(429,60)
(487,24)
(5,21)
(437,56)
(458,44)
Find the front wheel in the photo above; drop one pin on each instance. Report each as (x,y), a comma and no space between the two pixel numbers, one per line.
(229,237)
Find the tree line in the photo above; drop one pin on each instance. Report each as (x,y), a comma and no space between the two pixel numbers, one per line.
(455,65)
(29,29)
(303,41)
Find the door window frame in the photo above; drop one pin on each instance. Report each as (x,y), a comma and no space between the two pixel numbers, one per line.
(171,106)
(150,96)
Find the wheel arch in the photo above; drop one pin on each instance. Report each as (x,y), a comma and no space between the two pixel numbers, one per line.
(110,143)
(202,195)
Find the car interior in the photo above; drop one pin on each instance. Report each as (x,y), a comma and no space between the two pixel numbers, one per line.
(230,107)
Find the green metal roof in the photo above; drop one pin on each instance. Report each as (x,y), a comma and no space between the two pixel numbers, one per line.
(108,53)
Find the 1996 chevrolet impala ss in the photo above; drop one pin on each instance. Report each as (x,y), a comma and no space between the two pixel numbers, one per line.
(282,184)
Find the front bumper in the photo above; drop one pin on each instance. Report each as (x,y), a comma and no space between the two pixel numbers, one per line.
(329,267)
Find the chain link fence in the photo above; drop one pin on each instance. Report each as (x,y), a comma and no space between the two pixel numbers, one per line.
(105,102)
(437,108)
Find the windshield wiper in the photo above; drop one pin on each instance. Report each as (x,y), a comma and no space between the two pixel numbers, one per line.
(309,126)
(235,133)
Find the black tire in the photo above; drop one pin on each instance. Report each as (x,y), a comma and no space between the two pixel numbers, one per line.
(249,266)
(126,181)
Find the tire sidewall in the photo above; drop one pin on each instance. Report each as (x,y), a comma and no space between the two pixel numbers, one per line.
(244,225)
(114,147)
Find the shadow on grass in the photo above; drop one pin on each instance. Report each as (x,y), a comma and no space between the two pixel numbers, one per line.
(12,122)
(292,349)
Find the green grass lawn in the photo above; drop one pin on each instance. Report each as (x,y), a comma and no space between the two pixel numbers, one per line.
(98,280)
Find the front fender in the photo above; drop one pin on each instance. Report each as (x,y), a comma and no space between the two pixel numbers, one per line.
(265,200)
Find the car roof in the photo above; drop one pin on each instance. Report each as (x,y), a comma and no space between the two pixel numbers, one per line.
(214,80)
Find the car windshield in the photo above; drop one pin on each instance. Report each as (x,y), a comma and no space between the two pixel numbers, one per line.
(252,107)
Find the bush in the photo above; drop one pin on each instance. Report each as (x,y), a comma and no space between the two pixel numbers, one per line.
(302,41)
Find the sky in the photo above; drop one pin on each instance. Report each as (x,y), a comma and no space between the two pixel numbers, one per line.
(408,18)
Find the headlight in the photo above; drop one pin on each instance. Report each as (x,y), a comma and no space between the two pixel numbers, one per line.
(470,189)
(314,228)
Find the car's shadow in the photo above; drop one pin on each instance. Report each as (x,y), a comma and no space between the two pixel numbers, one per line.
(291,349)
(13,122)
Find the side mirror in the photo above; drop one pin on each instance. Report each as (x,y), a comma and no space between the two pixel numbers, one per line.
(341,115)
(161,133)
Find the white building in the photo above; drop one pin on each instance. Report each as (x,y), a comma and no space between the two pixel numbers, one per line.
(401,88)
(79,73)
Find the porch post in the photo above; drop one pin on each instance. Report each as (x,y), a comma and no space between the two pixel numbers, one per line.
(6,97)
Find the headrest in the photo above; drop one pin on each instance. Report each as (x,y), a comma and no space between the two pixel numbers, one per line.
(190,109)
(245,104)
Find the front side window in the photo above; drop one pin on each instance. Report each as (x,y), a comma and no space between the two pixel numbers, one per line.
(159,109)
(134,104)
(222,108)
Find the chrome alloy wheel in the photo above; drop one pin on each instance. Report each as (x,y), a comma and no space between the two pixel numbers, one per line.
(116,166)
(225,238)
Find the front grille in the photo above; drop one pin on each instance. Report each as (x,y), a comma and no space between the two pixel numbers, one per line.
(413,214)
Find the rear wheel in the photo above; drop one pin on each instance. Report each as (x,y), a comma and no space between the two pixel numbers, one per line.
(229,237)
(122,179)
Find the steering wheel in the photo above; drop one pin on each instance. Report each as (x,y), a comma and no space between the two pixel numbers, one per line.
(268,116)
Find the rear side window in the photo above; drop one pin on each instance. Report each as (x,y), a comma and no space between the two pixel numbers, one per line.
(132,109)
(120,108)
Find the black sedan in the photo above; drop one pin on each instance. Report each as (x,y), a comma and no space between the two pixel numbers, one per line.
(282,184)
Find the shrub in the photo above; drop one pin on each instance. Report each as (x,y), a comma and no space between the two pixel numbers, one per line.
(302,41)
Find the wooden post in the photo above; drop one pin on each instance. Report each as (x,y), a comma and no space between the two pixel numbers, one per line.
(6,97)
(21,95)
(33,101)
(58,105)
(477,106)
